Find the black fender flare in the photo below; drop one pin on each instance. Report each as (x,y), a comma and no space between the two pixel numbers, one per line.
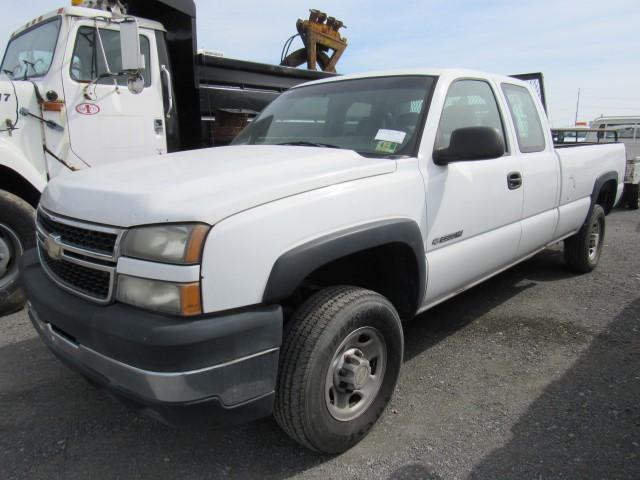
(293,266)
(597,186)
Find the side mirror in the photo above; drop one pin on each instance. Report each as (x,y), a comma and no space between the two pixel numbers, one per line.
(132,62)
(471,143)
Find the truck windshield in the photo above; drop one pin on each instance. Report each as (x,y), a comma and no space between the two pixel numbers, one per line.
(373,116)
(29,54)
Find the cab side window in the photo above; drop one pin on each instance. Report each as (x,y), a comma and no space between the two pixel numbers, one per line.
(525,118)
(88,63)
(469,103)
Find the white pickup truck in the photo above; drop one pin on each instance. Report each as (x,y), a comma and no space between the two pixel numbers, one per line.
(272,275)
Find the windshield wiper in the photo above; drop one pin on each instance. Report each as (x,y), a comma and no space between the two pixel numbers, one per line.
(304,143)
(26,70)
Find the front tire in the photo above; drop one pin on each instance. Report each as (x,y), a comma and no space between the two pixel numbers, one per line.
(339,364)
(17,234)
(582,251)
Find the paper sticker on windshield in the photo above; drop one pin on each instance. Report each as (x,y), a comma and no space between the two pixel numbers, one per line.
(395,136)
(386,147)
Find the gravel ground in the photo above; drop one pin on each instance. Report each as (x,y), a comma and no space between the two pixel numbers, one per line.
(534,374)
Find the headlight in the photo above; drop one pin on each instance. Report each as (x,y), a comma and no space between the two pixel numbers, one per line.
(181,244)
(173,298)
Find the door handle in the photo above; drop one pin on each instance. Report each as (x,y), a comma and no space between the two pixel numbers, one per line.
(514,180)
(164,70)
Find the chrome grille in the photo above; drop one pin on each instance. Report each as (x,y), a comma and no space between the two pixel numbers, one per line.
(94,283)
(93,240)
(78,256)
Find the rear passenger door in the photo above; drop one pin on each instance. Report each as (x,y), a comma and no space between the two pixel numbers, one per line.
(540,169)
(473,207)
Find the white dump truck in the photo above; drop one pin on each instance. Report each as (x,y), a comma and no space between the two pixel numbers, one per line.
(99,82)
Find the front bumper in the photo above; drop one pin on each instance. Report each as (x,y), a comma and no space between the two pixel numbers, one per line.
(224,365)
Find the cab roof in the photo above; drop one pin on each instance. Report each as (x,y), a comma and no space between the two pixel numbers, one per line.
(82,12)
(431,72)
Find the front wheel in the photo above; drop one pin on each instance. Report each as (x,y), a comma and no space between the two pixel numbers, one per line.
(339,365)
(17,234)
(582,250)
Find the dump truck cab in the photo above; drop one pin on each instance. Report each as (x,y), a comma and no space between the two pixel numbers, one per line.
(64,69)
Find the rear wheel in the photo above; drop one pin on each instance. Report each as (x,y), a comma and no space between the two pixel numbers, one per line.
(17,234)
(339,364)
(582,250)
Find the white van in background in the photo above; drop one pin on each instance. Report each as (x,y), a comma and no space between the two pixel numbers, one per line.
(628,128)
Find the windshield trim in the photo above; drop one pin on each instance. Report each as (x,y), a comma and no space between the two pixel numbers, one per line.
(410,150)
(426,108)
(24,32)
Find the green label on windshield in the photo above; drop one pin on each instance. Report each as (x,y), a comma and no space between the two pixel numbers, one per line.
(386,147)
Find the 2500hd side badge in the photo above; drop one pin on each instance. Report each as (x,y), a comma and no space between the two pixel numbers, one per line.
(446,238)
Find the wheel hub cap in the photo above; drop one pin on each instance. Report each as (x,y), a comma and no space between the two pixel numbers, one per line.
(355,374)
(10,249)
(353,371)
(5,256)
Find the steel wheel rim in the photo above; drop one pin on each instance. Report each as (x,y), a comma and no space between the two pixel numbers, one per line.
(355,374)
(10,251)
(594,240)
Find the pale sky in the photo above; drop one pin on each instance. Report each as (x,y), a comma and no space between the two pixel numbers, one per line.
(586,44)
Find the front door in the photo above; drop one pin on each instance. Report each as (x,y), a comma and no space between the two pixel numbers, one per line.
(474,208)
(107,122)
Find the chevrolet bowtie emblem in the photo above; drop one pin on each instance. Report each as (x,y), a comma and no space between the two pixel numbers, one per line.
(53,247)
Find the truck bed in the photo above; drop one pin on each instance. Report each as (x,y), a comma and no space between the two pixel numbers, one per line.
(230,83)
(582,163)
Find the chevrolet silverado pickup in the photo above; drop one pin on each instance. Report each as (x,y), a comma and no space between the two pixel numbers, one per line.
(273,275)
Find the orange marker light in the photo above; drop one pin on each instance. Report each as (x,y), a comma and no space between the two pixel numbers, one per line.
(190,301)
(53,106)
(196,241)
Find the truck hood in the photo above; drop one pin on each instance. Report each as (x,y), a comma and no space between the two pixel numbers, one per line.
(202,185)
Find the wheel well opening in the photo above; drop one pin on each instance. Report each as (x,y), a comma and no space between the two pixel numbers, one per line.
(607,195)
(12,182)
(390,270)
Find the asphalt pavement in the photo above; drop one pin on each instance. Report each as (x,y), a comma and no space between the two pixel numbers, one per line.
(534,374)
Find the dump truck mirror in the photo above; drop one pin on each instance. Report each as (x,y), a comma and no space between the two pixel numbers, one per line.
(132,61)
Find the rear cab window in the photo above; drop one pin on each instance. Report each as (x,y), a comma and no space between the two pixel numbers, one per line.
(525,117)
(625,131)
